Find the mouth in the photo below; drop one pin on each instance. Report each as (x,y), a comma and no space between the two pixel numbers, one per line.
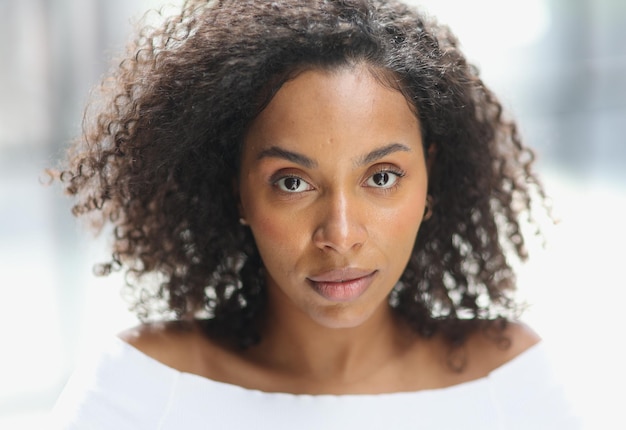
(342,285)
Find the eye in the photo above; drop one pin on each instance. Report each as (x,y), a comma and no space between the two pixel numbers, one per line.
(383,179)
(292,184)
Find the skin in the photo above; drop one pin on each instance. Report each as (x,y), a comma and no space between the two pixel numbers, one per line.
(333,186)
(360,186)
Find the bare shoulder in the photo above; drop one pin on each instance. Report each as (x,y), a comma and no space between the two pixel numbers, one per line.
(489,349)
(176,344)
(521,337)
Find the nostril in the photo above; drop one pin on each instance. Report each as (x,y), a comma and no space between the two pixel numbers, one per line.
(340,238)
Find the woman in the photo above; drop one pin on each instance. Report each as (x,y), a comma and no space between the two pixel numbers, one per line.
(318,201)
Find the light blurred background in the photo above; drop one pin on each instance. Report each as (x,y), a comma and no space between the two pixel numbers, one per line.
(558,65)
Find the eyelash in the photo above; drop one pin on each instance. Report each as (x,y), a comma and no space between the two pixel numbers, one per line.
(274,180)
(279,176)
(387,169)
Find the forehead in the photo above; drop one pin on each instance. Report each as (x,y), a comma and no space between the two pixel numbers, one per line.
(348,103)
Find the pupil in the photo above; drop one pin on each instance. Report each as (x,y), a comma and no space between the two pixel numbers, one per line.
(381,178)
(292,183)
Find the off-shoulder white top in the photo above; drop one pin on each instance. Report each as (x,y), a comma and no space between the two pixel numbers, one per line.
(122,388)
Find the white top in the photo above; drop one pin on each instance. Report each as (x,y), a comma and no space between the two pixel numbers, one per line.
(125,389)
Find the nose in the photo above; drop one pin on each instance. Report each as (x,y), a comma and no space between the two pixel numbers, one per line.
(340,228)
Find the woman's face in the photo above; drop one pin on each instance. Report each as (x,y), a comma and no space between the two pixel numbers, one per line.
(333,185)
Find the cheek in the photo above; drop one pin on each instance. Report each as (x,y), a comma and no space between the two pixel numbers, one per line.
(398,227)
(413,214)
(270,231)
(278,237)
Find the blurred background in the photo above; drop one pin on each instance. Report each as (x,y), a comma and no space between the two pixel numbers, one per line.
(558,65)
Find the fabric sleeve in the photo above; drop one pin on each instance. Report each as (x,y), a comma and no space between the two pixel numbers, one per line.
(529,394)
(115,389)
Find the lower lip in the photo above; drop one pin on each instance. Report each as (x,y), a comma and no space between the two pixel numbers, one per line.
(343,291)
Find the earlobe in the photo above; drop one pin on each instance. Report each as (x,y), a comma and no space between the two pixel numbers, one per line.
(428,208)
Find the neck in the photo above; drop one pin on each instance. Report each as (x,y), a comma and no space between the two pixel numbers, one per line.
(304,350)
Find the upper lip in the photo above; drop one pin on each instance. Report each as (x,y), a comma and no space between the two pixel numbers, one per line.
(341,275)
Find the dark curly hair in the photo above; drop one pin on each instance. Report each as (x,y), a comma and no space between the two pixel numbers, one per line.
(162,140)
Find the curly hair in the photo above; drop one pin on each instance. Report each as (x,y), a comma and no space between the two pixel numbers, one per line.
(162,140)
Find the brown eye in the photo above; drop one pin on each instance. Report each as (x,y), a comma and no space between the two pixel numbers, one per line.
(381,179)
(292,184)
(385,179)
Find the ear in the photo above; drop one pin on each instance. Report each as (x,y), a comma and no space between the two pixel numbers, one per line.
(431,156)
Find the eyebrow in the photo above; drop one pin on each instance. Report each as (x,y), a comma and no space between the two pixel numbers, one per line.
(379,153)
(303,160)
(294,157)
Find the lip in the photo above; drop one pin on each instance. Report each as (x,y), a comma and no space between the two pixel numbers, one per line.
(342,285)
